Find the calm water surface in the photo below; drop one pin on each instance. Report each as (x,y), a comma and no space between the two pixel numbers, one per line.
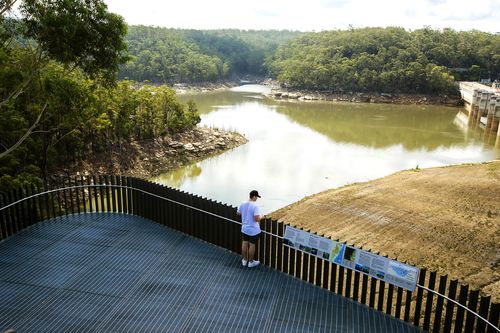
(296,149)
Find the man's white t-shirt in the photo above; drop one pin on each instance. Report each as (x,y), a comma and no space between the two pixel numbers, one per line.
(248,210)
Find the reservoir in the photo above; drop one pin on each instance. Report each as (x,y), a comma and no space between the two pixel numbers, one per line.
(296,149)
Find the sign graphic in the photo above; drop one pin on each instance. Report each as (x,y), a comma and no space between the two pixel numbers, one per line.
(391,271)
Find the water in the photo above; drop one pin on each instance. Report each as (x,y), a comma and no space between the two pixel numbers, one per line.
(297,149)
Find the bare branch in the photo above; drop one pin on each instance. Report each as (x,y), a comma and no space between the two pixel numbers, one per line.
(19,91)
(6,5)
(26,135)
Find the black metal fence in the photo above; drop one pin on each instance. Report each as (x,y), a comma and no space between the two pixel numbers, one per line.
(439,304)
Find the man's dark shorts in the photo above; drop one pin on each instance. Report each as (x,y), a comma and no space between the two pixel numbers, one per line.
(251,239)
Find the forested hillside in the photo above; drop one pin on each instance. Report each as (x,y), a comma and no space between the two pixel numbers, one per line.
(59,100)
(367,59)
(386,60)
(162,55)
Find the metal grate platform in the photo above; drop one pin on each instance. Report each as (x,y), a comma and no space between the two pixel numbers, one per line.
(106,272)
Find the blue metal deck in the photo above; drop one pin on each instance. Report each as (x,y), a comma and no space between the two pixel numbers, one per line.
(108,272)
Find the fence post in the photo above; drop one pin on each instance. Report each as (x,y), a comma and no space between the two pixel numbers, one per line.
(470,318)
(326,274)
(286,254)
(348,281)
(305,263)
(428,301)
(65,197)
(120,192)
(364,288)
(91,190)
(108,189)
(291,261)
(280,259)
(484,306)
(312,264)
(381,295)
(298,263)
(38,203)
(373,290)
(340,281)
(71,196)
(418,302)
(494,316)
(333,277)
(390,296)
(269,253)
(274,243)
(462,299)
(3,218)
(15,212)
(355,292)
(440,301)
(319,271)
(29,206)
(101,193)
(452,291)
(399,302)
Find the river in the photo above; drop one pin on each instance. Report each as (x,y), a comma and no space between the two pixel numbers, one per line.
(297,149)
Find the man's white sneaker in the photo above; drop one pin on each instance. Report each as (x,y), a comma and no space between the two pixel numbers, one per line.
(253,263)
(244,262)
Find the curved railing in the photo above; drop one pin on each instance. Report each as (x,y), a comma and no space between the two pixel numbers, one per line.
(437,310)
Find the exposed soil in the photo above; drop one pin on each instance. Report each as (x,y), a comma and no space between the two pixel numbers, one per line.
(150,158)
(445,219)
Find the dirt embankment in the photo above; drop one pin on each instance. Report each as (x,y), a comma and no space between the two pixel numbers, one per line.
(149,158)
(445,219)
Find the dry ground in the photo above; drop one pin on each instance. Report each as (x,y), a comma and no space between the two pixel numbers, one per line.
(445,219)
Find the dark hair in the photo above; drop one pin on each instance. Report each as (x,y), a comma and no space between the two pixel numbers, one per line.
(254,193)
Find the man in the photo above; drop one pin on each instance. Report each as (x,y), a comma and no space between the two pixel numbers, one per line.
(250,229)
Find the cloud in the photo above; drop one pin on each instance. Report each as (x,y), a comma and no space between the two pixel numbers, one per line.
(436,2)
(334,3)
(267,12)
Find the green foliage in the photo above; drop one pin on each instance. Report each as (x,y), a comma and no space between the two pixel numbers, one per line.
(56,66)
(77,33)
(386,59)
(164,55)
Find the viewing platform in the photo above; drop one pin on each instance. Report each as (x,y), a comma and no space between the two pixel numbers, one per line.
(121,254)
(112,272)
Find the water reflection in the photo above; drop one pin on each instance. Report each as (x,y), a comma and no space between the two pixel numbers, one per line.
(178,177)
(298,149)
(379,125)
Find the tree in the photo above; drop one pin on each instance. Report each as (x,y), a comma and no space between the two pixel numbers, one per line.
(76,33)
(80,33)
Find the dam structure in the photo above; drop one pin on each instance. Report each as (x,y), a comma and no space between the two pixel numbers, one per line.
(483,105)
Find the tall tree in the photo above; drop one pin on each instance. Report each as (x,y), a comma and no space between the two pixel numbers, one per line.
(80,34)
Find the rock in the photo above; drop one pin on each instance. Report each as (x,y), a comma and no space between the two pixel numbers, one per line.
(176,144)
(278,94)
(189,147)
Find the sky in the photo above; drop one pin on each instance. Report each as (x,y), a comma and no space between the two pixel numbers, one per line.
(311,15)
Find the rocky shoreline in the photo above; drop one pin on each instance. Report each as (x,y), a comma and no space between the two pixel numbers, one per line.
(150,158)
(281,93)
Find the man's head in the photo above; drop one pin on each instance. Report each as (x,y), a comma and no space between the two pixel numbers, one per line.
(254,195)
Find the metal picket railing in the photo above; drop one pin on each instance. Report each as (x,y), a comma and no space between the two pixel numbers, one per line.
(432,307)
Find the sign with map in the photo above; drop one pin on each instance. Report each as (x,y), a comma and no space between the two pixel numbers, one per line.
(388,270)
